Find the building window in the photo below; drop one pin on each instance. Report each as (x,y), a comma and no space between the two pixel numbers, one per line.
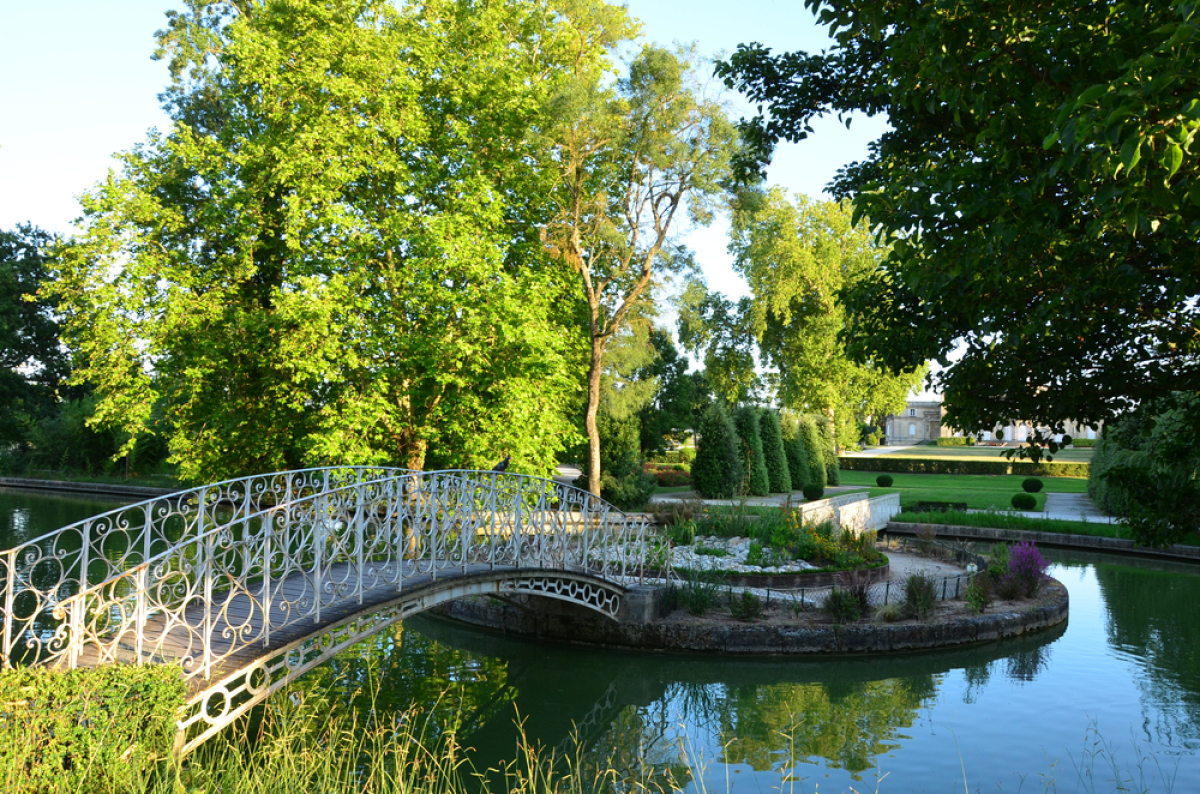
(912,411)
(912,428)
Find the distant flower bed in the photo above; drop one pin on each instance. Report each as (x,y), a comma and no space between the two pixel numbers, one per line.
(668,475)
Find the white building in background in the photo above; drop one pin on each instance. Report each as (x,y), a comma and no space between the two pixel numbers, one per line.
(921,420)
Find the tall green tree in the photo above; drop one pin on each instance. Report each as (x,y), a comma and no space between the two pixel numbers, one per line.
(718,471)
(1038,187)
(799,258)
(750,449)
(33,363)
(333,254)
(774,455)
(632,157)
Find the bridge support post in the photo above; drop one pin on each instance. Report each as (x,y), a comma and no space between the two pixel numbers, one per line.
(641,604)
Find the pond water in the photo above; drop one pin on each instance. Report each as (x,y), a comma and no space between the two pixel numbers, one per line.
(1109,702)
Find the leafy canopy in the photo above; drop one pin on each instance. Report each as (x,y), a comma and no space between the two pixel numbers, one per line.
(1039,189)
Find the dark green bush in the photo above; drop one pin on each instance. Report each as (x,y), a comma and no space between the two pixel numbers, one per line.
(813,492)
(920,596)
(884,481)
(842,605)
(1031,485)
(750,450)
(1024,501)
(96,730)
(696,592)
(811,436)
(746,606)
(943,466)
(979,593)
(717,470)
(1067,440)
(778,474)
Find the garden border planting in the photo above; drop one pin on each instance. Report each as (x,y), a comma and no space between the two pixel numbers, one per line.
(897,465)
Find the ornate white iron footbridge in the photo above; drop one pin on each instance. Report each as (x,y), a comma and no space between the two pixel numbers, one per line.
(249,583)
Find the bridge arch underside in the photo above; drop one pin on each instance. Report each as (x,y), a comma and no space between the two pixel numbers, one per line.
(215,704)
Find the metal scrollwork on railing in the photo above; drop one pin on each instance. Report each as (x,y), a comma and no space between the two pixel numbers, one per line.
(209,577)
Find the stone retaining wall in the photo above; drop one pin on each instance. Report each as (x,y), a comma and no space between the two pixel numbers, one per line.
(560,622)
(1059,539)
(133,492)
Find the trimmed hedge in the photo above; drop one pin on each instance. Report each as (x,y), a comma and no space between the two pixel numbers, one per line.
(778,472)
(96,730)
(884,481)
(1024,501)
(1031,485)
(953,441)
(749,432)
(932,466)
(1083,442)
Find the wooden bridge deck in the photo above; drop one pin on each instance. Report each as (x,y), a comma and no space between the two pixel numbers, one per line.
(240,617)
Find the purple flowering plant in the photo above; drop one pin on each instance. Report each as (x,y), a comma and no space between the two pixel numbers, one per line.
(1026,569)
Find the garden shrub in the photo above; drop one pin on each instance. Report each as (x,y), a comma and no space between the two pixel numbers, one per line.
(1027,569)
(687,455)
(884,481)
(890,613)
(696,592)
(894,465)
(979,593)
(934,506)
(717,470)
(778,475)
(750,450)
(1031,485)
(813,492)
(682,533)
(998,560)
(829,457)
(920,595)
(89,730)
(842,606)
(953,441)
(1067,441)
(1083,442)
(746,606)
(1024,501)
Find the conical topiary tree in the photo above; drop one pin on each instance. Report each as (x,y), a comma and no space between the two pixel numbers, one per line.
(793,447)
(778,473)
(751,451)
(717,469)
(829,450)
(811,436)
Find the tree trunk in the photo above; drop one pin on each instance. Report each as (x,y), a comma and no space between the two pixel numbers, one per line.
(593,408)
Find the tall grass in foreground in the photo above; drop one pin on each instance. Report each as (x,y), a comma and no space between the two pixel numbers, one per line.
(1000,519)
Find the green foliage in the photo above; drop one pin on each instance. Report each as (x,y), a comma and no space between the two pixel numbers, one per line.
(818,474)
(746,606)
(979,593)
(718,470)
(963,466)
(1032,485)
(750,450)
(884,481)
(812,492)
(1024,501)
(797,256)
(936,506)
(1147,470)
(773,453)
(1038,184)
(1084,442)
(255,269)
(796,451)
(695,591)
(920,595)
(97,730)
(842,606)
(682,533)
(829,456)
(998,560)
(955,441)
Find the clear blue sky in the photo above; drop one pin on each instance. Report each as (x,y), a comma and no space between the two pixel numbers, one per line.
(79,85)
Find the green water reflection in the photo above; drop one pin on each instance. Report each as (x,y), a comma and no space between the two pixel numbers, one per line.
(1010,716)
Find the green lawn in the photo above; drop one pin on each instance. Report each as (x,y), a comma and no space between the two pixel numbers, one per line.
(1081,455)
(979,491)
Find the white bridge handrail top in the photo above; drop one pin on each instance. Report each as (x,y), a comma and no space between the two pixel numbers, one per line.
(217,529)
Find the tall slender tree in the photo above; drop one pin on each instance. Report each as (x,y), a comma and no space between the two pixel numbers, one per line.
(631,157)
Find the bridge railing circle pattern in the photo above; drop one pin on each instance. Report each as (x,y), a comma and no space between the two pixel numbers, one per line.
(196,577)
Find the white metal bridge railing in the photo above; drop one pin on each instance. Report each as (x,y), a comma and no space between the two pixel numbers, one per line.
(199,577)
